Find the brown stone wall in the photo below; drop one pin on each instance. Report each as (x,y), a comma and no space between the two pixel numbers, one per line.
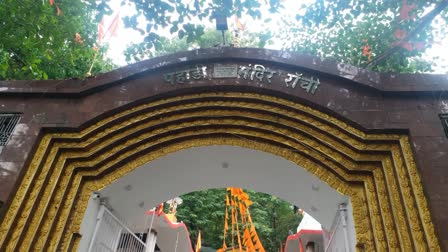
(385,102)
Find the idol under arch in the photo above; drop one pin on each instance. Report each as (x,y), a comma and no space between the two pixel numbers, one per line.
(258,99)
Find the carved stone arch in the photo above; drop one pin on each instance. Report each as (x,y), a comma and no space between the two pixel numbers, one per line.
(376,170)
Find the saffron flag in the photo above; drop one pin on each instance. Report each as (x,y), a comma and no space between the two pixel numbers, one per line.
(366,50)
(406,9)
(114,25)
(58,11)
(198,243)
(400,34)
(78,38)
(112,29)
(101,31)
(238,24)
(159,209)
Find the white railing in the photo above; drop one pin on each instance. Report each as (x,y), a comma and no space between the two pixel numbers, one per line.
(339,237)
(112,235)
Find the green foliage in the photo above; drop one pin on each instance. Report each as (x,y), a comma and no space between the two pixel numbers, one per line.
(328,29)
(37,43)
(210,38)
(340,29)
(184,18)
(204,211)
(273,219)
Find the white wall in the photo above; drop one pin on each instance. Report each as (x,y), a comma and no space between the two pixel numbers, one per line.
(351,226)
(203,168)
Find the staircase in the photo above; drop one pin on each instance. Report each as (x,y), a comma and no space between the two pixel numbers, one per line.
(112,235)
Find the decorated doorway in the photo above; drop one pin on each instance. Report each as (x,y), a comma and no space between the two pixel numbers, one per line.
(376,171)
(220,166)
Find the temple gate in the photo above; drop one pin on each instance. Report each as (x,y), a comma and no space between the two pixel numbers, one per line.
(379,139)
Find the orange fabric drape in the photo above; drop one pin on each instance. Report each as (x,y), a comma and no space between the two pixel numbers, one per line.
(237,203)
(198,243)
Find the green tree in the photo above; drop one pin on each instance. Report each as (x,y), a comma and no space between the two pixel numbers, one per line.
(184,17)
(38,39)
(340,30)
(210,38)
(273,219)
(204,211)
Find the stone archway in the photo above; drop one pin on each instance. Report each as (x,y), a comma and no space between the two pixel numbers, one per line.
(376,170)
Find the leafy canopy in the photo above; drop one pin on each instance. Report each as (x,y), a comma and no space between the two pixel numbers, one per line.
(39,39)
(55,39)
(355,32)
(349,31)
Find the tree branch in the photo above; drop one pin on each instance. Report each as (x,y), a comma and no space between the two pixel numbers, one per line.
(426,20)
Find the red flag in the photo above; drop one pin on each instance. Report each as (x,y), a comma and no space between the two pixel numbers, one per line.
(101,31)
(408,46)
(159,209)
(366,50)
(238,24)
(419,46)
(113,27)
(58,11)
(400,34)
(405,9)
(78,38)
